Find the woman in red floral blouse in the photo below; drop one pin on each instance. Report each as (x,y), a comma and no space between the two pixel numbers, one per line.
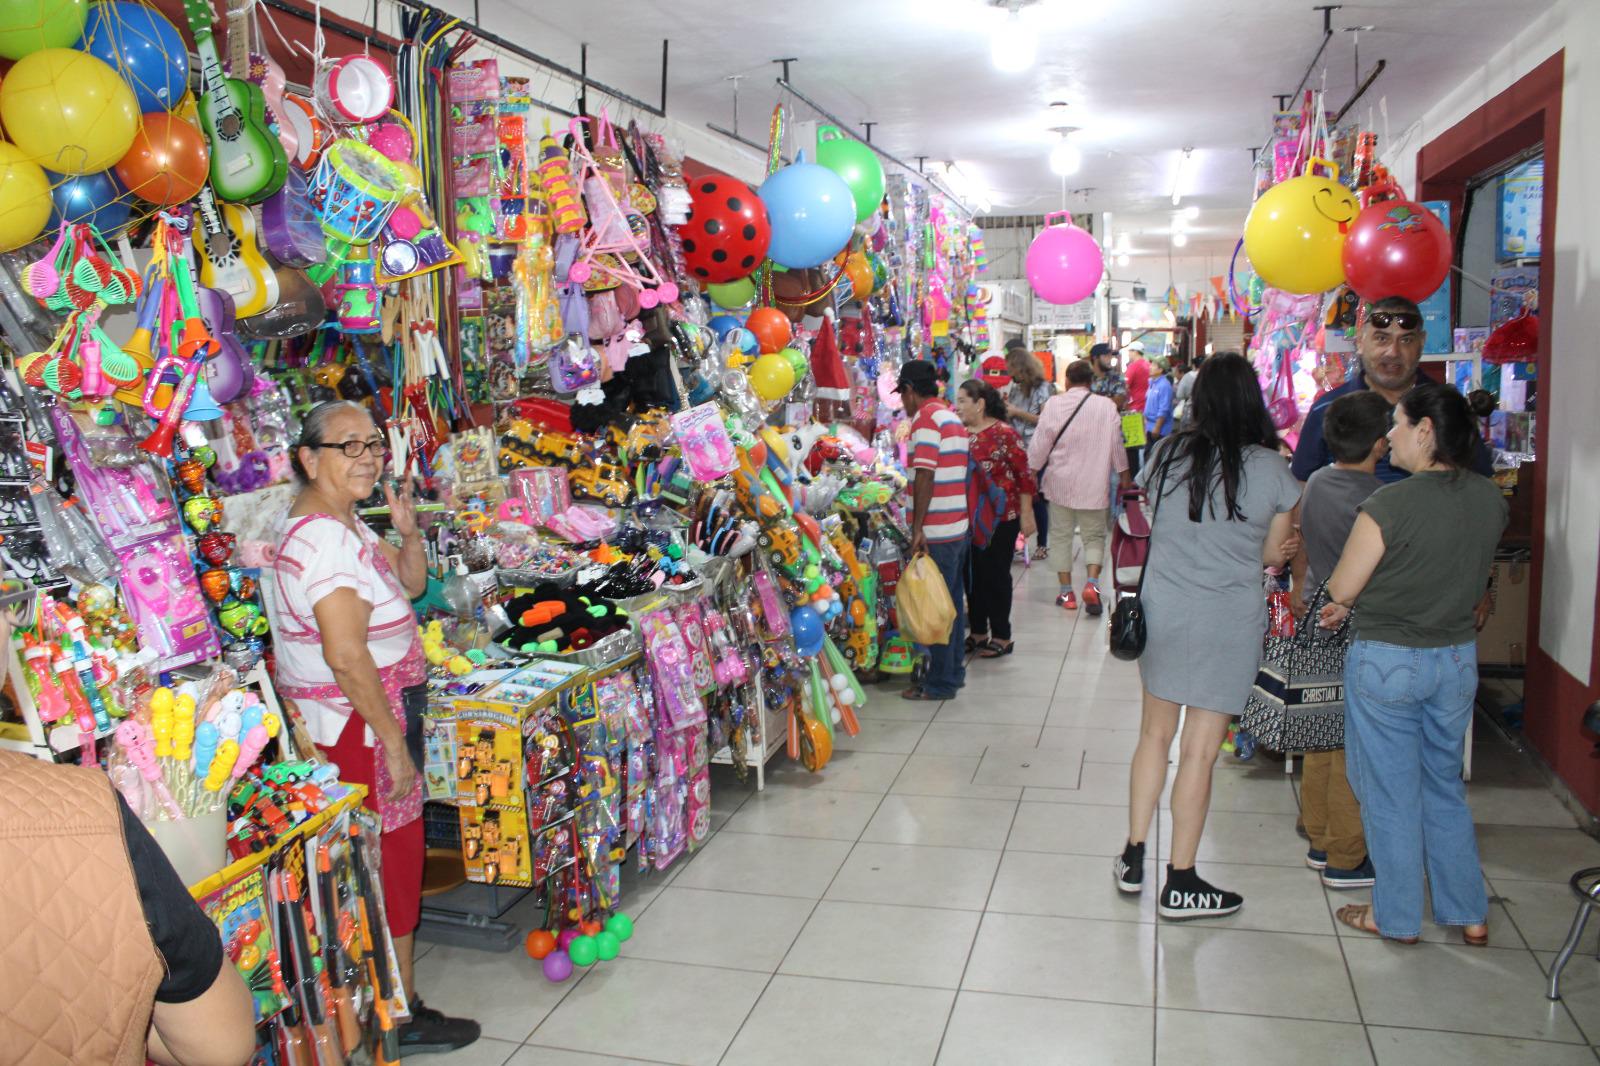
(1000,490)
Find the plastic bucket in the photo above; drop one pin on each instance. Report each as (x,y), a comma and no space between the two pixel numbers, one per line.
(196,847)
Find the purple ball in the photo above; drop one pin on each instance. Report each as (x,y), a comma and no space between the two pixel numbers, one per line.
(567,937)
(557,966)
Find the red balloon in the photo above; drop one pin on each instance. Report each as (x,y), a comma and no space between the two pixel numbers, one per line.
(1396,248)
(771,328)
(169,160)
(728,231)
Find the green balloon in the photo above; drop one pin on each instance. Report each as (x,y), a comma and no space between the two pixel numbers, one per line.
(607,944)
(26,26)
(797,362)
(730,294)
(857,164)
(583,951)
(620,926)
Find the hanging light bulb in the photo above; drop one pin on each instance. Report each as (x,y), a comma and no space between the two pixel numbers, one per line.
(1065,158)
(1180,239)
(1122,259)
(1012,49)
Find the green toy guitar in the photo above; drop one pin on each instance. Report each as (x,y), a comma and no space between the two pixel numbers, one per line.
(247,161)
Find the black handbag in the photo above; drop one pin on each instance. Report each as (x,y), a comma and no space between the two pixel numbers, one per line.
(1297,702)
(1125,631)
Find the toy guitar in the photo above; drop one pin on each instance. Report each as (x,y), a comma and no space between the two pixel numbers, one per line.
(300,307)
(247,161)
(228,373)
(225,238)
(291,227)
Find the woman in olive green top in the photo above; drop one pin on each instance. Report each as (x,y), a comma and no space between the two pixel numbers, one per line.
(1414,569)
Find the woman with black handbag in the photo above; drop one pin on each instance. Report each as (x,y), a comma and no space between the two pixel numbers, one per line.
(1221,497)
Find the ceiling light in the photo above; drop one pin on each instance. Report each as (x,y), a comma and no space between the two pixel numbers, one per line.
(1179,223)
(1122,259)
(1065,158)
(1124,242)
(1191,212)
(1181,175)
(1180,239)
(1011,47)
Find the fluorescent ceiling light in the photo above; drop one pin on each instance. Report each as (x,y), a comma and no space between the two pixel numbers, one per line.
(1182,176)
(1191,212)
(1012,48)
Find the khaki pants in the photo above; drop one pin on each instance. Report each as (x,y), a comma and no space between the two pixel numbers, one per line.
(1330,810)
(1090,525)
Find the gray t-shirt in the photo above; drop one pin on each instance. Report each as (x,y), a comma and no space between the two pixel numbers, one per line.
(1327,511)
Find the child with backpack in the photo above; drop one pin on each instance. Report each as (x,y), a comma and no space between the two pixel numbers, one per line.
(1000,489)
(1355,429)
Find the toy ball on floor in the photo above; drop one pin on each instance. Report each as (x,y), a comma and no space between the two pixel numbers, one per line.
(620,926)
(583,951)
(1064,263)
(1295,234)
(557,966)
(607,945)
(727,232)
(567,937)
(813,214)
(540,944)
(1396,248)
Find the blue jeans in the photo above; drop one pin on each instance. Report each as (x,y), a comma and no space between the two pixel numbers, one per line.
(947,663)
(1407,712)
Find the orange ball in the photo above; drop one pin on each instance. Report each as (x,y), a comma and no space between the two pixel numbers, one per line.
(859,271)
(540,943)
(771,328)
(168,162)
(590,928)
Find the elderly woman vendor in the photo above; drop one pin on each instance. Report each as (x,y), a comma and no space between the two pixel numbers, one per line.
(348,654)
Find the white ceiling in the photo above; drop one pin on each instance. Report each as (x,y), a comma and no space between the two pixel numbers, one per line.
(1142,78)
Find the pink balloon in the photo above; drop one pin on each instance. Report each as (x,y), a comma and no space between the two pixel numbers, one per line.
(1064,263)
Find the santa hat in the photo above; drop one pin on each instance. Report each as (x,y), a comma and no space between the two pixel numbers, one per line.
(828,373)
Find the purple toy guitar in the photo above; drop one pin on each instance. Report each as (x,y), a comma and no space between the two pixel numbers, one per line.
(293,233)
(229,374)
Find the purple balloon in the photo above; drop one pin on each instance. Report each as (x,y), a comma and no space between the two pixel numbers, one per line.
(557,966)
(1064,264)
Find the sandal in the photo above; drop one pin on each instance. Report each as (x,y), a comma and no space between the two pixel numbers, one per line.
(977,643)
(1358,916)
(915,692)
(1475,940)
(995,649)
(1041,552)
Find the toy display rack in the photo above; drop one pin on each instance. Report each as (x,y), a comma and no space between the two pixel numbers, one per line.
(769,740)
(234,871)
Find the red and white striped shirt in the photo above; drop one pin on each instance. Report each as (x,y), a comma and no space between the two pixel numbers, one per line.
(939,443)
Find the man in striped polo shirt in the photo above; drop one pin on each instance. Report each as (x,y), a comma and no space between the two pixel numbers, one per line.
(938,449)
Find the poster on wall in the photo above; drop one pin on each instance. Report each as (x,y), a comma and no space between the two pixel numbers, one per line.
(1436,321)
(1517,229)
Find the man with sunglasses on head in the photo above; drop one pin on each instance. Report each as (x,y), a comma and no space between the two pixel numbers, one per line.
(1389,342)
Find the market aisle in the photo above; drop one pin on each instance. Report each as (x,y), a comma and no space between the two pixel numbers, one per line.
(942,892)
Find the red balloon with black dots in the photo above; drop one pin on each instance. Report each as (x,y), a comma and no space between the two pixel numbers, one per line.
(728,231)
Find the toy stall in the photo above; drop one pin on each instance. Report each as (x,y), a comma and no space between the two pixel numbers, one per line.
(648,417)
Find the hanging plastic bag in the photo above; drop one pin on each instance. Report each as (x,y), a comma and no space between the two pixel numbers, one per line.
(923,602)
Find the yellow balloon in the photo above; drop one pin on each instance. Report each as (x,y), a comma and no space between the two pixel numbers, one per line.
(1295,234)
(68,111)
(772,377)
(24,198)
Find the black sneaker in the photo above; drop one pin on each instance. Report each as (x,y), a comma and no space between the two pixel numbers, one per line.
(1129,869)
(1186,896)
(1362,876)
(432,1033)
(1317,860)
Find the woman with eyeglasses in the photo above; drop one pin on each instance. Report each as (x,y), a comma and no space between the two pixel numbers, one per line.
(348,654)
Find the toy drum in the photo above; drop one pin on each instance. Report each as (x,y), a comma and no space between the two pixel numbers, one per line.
(355,189)
(310,132)
(354,88)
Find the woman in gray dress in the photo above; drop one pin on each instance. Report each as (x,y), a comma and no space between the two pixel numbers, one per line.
(1221,495)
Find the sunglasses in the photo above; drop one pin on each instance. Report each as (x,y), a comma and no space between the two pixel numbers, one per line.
(1403,319)
(355,449)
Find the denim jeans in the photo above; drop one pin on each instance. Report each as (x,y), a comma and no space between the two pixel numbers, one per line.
(947,663)
(1407,712)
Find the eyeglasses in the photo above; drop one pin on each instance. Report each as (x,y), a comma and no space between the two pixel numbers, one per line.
(355,449)
(1403,319)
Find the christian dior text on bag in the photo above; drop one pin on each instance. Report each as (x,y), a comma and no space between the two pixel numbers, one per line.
(1297,703)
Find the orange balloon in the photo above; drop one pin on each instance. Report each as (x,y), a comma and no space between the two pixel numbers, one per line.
(771,328)
(859,271)
(169,160)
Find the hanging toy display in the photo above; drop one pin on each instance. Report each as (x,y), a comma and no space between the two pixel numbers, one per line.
(1395,247)
(1064,263)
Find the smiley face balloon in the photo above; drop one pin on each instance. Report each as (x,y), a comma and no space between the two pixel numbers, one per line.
(1296,232)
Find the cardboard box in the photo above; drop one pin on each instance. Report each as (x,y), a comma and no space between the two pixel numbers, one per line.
(1504,640)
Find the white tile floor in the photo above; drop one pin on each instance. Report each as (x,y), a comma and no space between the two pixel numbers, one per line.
(941,892)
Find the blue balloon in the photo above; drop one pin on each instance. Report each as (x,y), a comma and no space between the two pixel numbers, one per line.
(143,47)
(98,199)
(806,627)
(813,214)
(722,325)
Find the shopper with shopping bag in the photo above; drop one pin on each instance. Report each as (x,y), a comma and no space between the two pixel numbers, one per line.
(938,464)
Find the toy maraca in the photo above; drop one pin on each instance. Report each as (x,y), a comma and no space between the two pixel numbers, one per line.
(250,750)
(222,765)
(183,726)
(161,701)
(206,739)
(135,742)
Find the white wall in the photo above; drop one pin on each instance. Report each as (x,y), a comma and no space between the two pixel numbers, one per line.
(1572,512)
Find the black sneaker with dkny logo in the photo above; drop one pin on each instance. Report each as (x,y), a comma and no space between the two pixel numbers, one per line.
(1186,896)
(1129,868)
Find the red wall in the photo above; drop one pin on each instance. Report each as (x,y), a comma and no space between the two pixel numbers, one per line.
(1527,114)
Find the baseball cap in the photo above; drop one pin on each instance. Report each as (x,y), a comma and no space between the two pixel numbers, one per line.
(1016,343)
(917,372)
(1136,346)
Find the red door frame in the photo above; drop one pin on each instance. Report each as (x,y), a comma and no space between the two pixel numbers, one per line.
(1527,114)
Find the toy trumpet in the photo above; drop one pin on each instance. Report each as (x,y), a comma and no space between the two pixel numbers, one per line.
(187,355)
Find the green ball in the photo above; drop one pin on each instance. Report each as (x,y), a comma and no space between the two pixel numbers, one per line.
(584,949)
(797,362)
(857,164)
(26,26)
(607,944)
(620,926)
(733,294)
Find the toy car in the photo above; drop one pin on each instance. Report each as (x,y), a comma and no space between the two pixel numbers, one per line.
(781,544)
(558,446)
(602,481)
(289,773)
